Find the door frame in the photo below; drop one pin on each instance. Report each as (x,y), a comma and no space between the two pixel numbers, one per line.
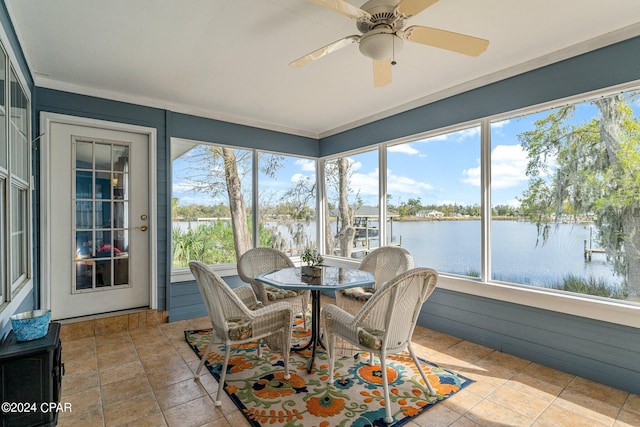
(47,119)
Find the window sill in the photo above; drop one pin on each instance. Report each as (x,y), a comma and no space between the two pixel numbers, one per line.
(8,309)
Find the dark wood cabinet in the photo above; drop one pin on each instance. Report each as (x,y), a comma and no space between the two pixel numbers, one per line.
(30,380)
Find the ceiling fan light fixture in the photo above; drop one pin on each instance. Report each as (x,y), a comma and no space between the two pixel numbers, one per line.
(380,44)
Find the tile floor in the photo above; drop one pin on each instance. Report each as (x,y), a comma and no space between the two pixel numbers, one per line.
(144,377)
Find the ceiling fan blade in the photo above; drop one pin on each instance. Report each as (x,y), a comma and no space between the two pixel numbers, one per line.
(456,42)
(319,53)
(408,8)
(381,73)
(344,8)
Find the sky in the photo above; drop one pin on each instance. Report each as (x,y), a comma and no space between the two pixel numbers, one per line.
(444,169)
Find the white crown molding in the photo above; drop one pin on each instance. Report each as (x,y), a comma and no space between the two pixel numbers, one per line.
(42,80)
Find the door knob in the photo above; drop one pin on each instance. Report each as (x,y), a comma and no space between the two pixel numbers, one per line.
(142,228)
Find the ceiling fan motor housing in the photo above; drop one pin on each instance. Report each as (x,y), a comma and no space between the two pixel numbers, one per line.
(383,13)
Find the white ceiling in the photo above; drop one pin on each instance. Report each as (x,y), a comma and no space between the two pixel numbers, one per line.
(227,59)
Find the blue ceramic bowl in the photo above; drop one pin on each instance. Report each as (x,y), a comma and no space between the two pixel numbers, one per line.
(30,325)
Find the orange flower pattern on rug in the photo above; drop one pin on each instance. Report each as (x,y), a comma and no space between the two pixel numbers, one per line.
(355,398)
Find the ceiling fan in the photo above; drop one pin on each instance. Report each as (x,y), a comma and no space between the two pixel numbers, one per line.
(381,23)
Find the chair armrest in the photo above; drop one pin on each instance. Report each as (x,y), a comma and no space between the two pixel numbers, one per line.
(248,297)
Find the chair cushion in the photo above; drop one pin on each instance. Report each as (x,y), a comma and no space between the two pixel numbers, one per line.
(275,294)
(370,338)
(239,329)
(359,293)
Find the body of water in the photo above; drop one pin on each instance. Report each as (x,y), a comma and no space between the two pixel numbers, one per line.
(454,247)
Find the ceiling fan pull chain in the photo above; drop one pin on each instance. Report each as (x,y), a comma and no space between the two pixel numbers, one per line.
(393,51)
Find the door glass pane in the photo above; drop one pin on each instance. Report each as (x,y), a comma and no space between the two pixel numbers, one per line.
(103,156)
(103,185)
(84,155)
(103,214)
(84,213)
(18,232)
(101,219)
(120,158)
(84,185)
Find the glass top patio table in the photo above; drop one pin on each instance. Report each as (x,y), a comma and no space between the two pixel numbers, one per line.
(330,279)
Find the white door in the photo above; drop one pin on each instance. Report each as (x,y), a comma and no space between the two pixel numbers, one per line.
(99,220)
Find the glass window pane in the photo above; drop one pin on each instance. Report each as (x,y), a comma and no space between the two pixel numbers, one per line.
(203,204)
(19,130)
(120,158)
(19,238)
(84,275)
(120,215)
(352,204)
(565,194)
(120,182)
(103,185)
(103,215)
(3,239)
(103,156)
(287,198)
(103,273)
(433,188)
(84,155)
(84,214)
(84,244)
(84,185)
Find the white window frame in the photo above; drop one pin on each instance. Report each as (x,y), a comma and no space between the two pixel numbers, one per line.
(13,296)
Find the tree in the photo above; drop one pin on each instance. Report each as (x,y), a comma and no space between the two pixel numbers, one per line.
(590,168)
(219,171)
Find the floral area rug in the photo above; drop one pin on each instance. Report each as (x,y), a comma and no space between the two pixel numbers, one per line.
(258,388)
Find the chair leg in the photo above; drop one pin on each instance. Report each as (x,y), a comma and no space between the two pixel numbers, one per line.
(286,345)
(372,359)
(223,373)
(424,377)
(385,387)
(204,356)
(331,352)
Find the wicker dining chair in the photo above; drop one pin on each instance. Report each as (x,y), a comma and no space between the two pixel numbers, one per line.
(385,323)
(384,263)
(238,318)
(259,260)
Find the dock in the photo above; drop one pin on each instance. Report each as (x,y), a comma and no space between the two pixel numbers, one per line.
(588,252)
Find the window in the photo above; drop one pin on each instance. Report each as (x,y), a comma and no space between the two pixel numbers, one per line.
(433,199)
(286,203)
(352,204)
(211,204)
(15,150)
(565,197)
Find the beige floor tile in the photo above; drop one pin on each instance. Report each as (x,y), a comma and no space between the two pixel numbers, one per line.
(237,419)
(627,419)
(86,400)
(126,411)
(598,391)
(75,331)
(436,416)
(464,422)
(468,351)
(116,358)
(79,382)
(559,416)
(194,413)
(179,393)
(519,401)
(586,406)
(166,377)
(125,389)
(117,373)
(632,403)
(490,413)
(91,418)
(549,375)
(535,387)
